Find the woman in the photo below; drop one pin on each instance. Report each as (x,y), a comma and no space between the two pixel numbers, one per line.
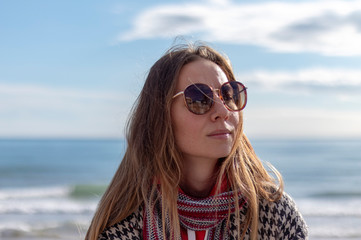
(189,172)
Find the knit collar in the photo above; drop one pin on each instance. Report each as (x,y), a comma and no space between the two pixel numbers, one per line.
(197,214)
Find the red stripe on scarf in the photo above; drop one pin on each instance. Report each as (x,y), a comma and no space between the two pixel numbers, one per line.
(198,215)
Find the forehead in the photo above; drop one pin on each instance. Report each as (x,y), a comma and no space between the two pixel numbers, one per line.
(201,71)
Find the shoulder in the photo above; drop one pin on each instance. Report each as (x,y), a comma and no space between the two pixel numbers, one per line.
(282,219)
(128,228)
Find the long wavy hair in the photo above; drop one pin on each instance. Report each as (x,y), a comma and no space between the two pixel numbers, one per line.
(152,161)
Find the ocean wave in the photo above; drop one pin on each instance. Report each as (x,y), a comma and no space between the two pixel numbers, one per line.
(337,194)
(87,191)
(54,200)
(46,206)
(330,207)
(44,230)
(335,228)
(76,191)
(41,192)
(341,234)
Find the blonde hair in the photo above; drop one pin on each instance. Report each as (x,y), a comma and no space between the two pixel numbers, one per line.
(152,158)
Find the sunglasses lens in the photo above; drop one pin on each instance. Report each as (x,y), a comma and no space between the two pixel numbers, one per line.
(199,98)
(234,95)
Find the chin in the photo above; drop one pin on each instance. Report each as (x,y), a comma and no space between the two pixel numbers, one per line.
(223,154)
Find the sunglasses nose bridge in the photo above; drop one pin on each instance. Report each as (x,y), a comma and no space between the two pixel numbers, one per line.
(217,96)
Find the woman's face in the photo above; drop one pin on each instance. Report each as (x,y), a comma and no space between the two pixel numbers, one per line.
(212,134)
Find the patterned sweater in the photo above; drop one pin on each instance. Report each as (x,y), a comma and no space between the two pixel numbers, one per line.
(277,220)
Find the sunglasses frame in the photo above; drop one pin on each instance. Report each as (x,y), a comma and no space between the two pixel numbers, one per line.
(218,92)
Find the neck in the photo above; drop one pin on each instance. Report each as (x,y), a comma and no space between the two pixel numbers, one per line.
(199,177)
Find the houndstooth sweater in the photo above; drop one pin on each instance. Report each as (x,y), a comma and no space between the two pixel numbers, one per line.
(277,220)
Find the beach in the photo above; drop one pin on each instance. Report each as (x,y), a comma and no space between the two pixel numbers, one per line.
(49,189)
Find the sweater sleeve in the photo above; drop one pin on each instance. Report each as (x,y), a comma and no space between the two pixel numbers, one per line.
(282,220)
(129,228)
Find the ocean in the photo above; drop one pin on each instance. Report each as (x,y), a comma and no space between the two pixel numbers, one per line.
(49,189)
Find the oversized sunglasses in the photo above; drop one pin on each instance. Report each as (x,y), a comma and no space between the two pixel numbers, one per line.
(199,97)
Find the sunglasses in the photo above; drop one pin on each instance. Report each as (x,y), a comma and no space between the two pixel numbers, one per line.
(199,97)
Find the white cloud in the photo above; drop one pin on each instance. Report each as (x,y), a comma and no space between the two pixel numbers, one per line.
(337,90)
(342,81)
(301,123)
(325,27)
(37,111)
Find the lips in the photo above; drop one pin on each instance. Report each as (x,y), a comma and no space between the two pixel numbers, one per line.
(220,133)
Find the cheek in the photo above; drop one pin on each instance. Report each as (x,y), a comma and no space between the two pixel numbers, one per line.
(185,132)
(235,118)
(184,140)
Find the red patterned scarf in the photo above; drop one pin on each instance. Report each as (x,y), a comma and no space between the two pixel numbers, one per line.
(195,214)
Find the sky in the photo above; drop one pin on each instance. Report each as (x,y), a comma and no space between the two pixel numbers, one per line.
(73,69)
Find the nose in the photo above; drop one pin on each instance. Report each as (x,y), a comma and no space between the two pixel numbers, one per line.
(219,110)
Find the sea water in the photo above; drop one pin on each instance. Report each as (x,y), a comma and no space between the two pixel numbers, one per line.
(49,189)
(324,178)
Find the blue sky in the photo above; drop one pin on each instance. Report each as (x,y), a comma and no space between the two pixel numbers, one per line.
(73,69)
